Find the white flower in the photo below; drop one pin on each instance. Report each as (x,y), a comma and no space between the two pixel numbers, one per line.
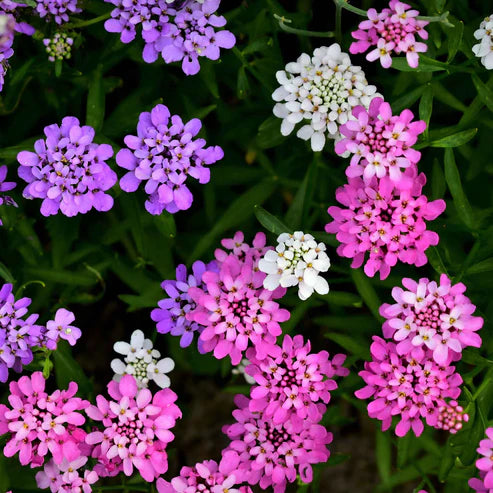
(142,361)
(297,261)
(320,91)
(240,370)
(484,49)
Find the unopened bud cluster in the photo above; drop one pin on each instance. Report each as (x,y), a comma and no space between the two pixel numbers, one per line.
(59,47)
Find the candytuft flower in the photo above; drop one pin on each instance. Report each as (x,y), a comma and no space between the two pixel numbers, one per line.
(484,464)
(484,49)
(142,361)
(433,316)
(6,186)
(297,261)
(59,47)
(391,31)
(451,417)
(385,219)
(68,171)
(320,92)
(164,153)
(58,10)
(67,476)
(60,328)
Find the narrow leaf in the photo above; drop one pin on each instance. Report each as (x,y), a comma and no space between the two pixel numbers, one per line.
(455,140)
(484,92)
(367,292)
(269,133)
(96,101)
(270,222)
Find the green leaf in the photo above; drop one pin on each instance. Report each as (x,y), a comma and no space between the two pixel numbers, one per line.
(367,292)
(242,86)
(341,298)
(480,267)
(270,222)
(356,346)
(68,370)
(484,92)
(435,260)
(403,446)
(208,75)
(237,212)
(96,101)
(384,456)
(438,185)
(60,276)
(455,39)
(447,462)
(454,140)
(58,67)
(425,65)
(426,107)
(165,223)
(461,202)
(269,133)
(5,274)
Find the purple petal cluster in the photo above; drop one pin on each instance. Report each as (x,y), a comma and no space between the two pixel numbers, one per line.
(7,26)
(164,153)
(68,171)
(58,10)
(178,31)
(6,186)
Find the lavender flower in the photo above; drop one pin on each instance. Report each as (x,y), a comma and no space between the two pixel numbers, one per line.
(163,154)
(57,9)
(7,27)
(68,171)
(5,186)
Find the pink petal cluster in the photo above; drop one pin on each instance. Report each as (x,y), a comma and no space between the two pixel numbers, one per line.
(380,143)
(233,306)
(292,380)
(431,316)
(67,476)
(271,455)
(411,388)
(39,424)
(391,31)
(136,429)
(207,476)
(385,219)
(451,417)
(485,465)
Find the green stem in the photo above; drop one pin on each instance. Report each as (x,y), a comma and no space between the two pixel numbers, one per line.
(90,22)
(343,4)
(302,32)
(338,22)
(436,18)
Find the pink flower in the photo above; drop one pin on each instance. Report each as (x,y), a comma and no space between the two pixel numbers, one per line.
(270,454)
(391,31)
(381,143)
(451,417)
(136,429)
(291,379)
(233,306)
(410,387)
(387,220)
(437,316)
(484,464)
(38,424)
(60,328)
(66,476)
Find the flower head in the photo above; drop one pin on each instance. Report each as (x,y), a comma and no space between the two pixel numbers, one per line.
(6,186)
(380,143)
(320,91)
(68,171)
(451,417)
(484,49)
(297,261)
(391,31)
(59,47)
(163,154)
(385,219)
(7,27)
(60,328)
(412,388)
(142,361)
(58,10)
(484,464)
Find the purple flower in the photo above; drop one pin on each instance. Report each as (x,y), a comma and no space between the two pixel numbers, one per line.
(5,186)
(68,171)
(7,27)
(57,9)
(163,154)
(60,328)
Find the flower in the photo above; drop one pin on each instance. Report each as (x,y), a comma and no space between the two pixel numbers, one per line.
(6,186)
(6,52)
(39,424)
(234,308)
(320,91)
(136,428)
(484,49)
(183,30)
(57,9)
(434,316)
(171,316)
(391,31)
(60,328)
(484,464)
(67,170)
(478,484)
(291,380)
(385,219)
(380,143)
(411,388)
(7,27)
(59,47)
(451,417)
(297,261)
(164,154)
(142,361)
(270,454)
(66,476)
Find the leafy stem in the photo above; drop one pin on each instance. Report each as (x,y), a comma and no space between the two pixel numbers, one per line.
(90,22)
(283,24)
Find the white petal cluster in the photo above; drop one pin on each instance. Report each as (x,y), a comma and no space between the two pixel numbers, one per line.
(142,361)
(297,261)
(240,370)
(320,91)
(484,49)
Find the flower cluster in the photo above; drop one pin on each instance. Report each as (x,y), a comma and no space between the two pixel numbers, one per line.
(171,316)
(451,417)
(485,465)
(142,361)
(297,261)
(391,31)
(7,25)
(164,153)
(387,220)
(178,31)
(484,49)
(6,186)
(380,143)
(136,429)
(432,316)
(38,423)
(68,171)
(58,10)
(320,91)
(412,388)
(59,47)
